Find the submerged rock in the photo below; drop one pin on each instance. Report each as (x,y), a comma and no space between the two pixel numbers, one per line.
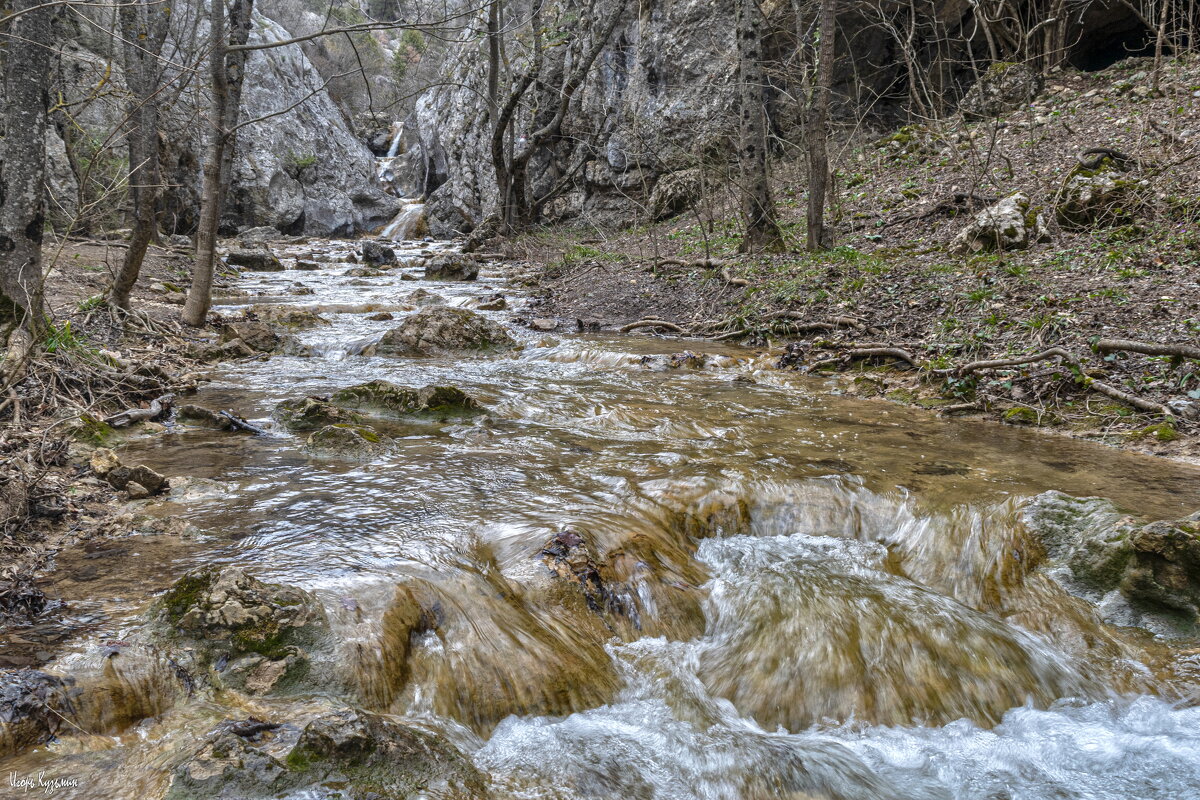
(255,636)
(494,303)
(255,260)
(358,442)
(1008,225)
(421,297)
(363,272)
(311,413)
(439,330)
(201,417)
(363,755)
(452,267)
(441,402)
(288,317)
(32,706)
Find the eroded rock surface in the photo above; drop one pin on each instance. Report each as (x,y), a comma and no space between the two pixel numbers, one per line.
(1010,224)
(440,330)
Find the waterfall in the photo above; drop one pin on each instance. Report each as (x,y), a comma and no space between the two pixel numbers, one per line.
(397,135)
(408,224)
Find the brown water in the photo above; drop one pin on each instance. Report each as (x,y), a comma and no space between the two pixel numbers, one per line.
(810,595)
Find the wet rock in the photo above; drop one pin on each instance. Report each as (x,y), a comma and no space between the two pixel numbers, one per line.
(1003,87)
(118,683)
(452,267)
(441,330)
(1010,224)
(201,417)
(32,708)
(136,491)
(255,260)
(382,316)
(1155,567)
(255,334)
(104,461)
(543,324)
(440,402)
(233,623)
(288,317)
(364,755)
(421,297)
(357,442)
(145,480)
(494,303)
(363,272)
(675,193)
(405,276)
(307,266)
(377,254)
(311,413)
(1102,195)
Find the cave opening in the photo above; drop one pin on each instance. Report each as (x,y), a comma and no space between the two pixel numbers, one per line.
(1110,32)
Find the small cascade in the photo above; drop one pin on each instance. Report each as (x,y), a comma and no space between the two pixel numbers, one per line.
(408,224)
(397,135)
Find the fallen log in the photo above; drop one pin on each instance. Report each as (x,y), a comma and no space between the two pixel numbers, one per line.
(873,352)
(242,424)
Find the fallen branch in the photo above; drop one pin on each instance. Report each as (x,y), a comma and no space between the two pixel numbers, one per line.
(975,366)
(732,280)
(1148,348)
(242,424)
(1132,399)
(131,415)
(651,323)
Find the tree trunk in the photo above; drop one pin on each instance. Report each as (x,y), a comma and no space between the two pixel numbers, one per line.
(143,29)
(226,74)
(816,132)
(762,229)
(1159,39)
(26,70)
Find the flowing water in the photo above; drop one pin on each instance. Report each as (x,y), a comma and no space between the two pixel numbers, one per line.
(805,595)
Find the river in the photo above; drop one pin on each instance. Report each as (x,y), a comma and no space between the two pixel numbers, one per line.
(824,596)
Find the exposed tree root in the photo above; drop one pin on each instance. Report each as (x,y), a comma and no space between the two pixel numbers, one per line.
(652,323)
(156,409)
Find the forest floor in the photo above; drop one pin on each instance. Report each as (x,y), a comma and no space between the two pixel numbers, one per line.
(893,281)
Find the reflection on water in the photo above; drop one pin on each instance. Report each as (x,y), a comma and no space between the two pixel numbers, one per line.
(802,595)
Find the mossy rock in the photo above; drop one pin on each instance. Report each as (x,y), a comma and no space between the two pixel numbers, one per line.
(437,402)
(1021,416)
(242,629)
(439,330)
(1161,432)
(311,413)
(90,430)
(347,754)
(357,442)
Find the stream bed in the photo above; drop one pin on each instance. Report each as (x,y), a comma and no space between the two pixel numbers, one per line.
(808,595)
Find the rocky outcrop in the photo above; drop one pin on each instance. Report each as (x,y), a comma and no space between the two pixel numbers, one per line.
(1010,224)
(1100,195)
(1003,87)
(674,194)
(365,755)
(439,330)
(1145,575)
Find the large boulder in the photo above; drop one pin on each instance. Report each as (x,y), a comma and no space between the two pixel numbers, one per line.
(1010,224)
(255,260)
(439,402)
(675,193)
(440,330)
(1003,87)
(256,334)
(1108,558)
(452,267)
(364,755)
(1100,195)
(377,254)
(254,636)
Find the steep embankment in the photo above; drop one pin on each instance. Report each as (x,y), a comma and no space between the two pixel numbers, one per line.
(1106,253)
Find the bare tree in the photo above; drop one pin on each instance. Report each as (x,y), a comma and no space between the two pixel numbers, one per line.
(143,28)
(816,130)
(556,81)
(227,68)
(762,226)
(25,41)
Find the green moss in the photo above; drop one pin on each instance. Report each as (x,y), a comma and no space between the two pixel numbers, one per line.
(185,593)
(90,430)
(906,396)
(1021,416)
(1163,432)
